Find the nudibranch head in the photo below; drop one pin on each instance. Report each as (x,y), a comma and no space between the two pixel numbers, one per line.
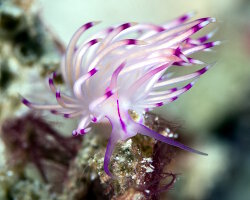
(125,68)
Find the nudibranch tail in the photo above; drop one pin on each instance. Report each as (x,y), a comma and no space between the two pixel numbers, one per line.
(143,130)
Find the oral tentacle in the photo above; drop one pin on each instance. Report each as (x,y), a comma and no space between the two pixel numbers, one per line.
(109,150)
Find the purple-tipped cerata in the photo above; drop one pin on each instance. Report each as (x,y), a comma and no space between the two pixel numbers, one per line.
(110,75)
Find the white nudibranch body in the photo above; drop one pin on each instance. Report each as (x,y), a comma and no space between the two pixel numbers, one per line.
(125,68)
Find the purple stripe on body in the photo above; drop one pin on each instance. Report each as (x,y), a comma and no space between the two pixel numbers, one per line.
(58,94)
(204,19)
(183,18)
(174,98)
(187,87)
(173,89)
(94,119)
(125,26)
(26,102)
(188,40)
(75,48)
(92,42)
(159,104)
(161,78)
(160,29)
(109,30)
(109,93)
(92,71)
(131,41)
(54,112)
(180,55)
(203,39)
(200,25)
(82,131)
(87,25)
(178,63)
(202,71)
(190,60)
(196,28)
(177,52)
(119,114)
(209,45)
(51,82)
(54,75)
(66,115)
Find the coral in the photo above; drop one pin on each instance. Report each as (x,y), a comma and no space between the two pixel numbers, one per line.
(14,186)
(31,190)
(7,179)
(30,139)
(83,181)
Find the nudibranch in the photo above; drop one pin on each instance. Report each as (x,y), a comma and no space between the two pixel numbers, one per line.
(124,69)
